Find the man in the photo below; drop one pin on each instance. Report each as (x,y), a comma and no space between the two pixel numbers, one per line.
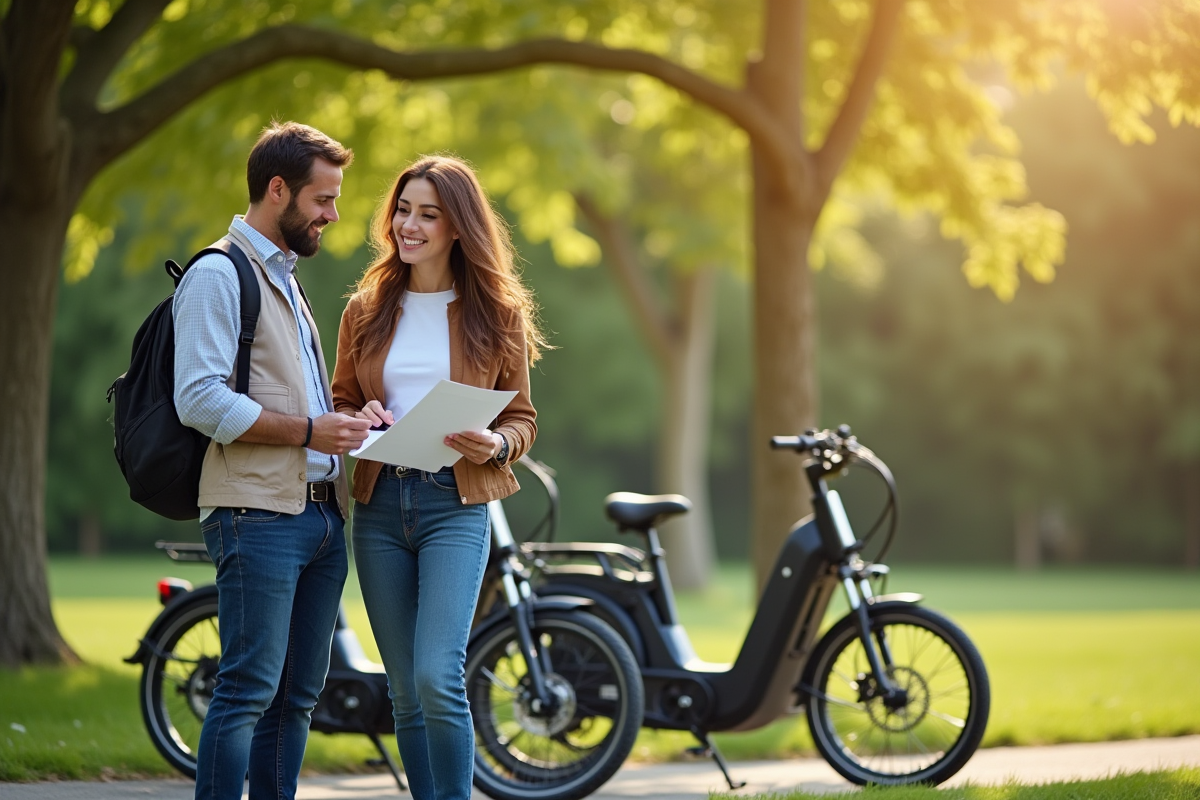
(273,489)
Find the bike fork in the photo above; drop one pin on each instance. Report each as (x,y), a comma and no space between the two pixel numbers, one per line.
(517,595)
(857,595)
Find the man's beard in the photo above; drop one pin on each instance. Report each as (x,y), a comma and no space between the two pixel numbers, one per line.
(294,229)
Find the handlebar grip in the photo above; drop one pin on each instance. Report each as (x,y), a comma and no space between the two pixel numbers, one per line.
(781,442)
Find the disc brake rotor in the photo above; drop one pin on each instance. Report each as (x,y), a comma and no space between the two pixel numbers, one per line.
(556,721)
(199,688)
(907,716)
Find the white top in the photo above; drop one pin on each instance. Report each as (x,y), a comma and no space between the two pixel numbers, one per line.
(420,353)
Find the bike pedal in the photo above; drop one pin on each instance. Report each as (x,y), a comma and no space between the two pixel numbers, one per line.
(698,752)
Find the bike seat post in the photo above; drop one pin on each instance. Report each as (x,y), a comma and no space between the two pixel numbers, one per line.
(665,596)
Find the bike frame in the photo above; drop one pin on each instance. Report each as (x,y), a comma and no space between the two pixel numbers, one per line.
(632,591)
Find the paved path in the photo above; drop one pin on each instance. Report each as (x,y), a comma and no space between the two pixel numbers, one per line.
(694,780)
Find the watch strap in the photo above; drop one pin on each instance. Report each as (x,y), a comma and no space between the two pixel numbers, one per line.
(501,457)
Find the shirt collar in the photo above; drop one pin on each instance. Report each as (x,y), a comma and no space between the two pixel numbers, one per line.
(275,260)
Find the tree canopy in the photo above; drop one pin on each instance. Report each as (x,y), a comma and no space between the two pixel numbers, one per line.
(832,99)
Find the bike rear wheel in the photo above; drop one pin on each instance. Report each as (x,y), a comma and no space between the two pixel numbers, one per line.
(177,682)
(928,736)
(567,751)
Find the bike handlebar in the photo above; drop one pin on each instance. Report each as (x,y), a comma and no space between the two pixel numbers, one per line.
(831,452)
(813,440)
(797,443)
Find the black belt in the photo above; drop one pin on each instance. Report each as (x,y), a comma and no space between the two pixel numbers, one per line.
(322,492)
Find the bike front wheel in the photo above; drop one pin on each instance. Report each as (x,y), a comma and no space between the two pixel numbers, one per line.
(923,735)
(178,679)
(527,750)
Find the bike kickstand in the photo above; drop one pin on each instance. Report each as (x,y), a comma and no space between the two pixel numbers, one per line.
(391,762)
(715,752)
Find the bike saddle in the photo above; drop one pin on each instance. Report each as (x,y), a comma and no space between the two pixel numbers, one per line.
(644,511)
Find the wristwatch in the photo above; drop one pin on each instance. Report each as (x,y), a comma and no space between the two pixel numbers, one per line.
(502,455)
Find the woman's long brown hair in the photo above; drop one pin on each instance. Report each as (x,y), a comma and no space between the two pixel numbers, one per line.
(499,314)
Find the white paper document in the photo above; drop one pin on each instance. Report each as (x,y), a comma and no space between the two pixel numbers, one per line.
(416,438)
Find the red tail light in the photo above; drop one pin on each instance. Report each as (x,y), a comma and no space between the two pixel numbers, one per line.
(170,588)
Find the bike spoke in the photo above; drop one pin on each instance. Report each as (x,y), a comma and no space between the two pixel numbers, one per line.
(955,721)
(837,701)
(491,676)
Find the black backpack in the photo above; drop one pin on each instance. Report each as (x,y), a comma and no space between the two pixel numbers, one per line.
(159,456)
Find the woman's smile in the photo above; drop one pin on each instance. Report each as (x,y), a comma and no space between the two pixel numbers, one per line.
(423,234)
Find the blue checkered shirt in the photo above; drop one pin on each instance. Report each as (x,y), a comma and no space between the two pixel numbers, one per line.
(207,313)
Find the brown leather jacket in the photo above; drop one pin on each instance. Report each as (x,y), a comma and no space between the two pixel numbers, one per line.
(358,379)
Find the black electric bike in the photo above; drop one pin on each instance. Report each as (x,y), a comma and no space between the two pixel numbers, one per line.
(894,693)
(556,697)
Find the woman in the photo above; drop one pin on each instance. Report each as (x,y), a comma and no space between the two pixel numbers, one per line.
(440,301)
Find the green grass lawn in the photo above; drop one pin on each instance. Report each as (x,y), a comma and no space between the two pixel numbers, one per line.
(1078,655)
(1181,784)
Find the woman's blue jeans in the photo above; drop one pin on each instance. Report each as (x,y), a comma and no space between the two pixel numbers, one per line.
(420,555)
(279,579)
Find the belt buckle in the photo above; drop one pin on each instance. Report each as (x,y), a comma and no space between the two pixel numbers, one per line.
(318,492)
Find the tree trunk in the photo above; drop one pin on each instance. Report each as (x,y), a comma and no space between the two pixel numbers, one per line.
(786,203)
(91,537)
(1191,515)
(1028,539)
(785,393)
(36,198)
(33,240)
(683,458)
(682,346)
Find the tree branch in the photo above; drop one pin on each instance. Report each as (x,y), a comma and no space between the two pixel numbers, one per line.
(845,129)
(112,133)
(621,256)
(99,53)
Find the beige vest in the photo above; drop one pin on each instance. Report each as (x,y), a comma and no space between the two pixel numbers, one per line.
(269,476)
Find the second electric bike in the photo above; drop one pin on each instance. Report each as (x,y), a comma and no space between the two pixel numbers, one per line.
(894,693)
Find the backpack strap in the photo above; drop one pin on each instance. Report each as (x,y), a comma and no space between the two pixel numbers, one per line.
(251,302)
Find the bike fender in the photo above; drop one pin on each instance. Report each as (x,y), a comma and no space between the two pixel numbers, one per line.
(896,597)
(540,605)
(608,610)
(561,602)
(152,634)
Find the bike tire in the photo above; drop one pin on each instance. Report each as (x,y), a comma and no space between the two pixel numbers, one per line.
(177,680)
(521,756)
(933,735)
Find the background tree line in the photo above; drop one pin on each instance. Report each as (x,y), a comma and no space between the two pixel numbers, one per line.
(674,137)
(1063,425)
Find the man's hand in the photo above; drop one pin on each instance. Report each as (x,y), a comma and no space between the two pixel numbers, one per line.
(337,434)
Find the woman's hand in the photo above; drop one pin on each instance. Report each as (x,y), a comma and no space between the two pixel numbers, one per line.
(376,414)
(477,448)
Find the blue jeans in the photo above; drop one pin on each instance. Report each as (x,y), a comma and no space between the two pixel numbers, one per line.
(420,555)
(279,579)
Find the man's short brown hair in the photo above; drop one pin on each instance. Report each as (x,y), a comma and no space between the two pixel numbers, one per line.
(288,149)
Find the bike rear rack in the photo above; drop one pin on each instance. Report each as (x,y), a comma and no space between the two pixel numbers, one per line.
(184,551)
(601,559)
